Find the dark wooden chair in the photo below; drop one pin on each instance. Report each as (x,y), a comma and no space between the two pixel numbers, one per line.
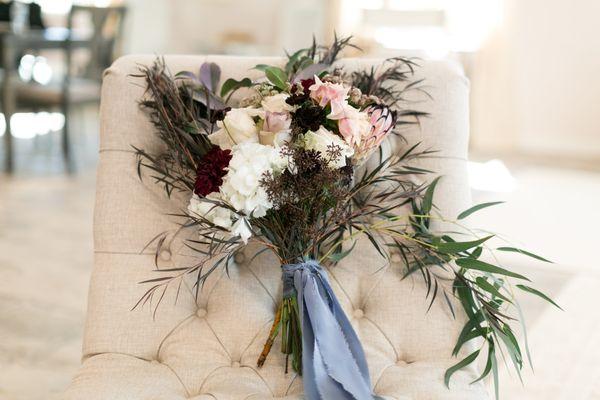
(80,84)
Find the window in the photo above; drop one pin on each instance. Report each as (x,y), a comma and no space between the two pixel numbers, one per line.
(433,26)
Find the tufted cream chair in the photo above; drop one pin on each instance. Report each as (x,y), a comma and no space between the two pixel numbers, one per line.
(206,348)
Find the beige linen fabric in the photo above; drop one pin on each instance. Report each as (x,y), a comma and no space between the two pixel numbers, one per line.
(206,348)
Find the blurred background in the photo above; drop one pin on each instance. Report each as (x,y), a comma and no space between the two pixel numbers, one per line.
(535,142)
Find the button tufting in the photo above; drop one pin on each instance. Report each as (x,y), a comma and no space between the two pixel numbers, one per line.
(235,364)
(239,257)
(201,312)
(358,313)
(165,255)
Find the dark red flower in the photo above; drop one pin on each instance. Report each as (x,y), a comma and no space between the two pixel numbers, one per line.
(309,117)
(211,170)
(299,96)
(218,115)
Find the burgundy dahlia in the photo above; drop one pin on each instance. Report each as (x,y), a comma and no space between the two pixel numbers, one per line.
(300,92)
(211,170)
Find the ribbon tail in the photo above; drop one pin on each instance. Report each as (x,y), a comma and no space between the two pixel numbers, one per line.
(334,364)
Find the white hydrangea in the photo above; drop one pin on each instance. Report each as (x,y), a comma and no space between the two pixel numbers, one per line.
(241,186)
(206,209)
(322,139)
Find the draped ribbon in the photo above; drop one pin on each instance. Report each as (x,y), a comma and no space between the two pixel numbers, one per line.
(333,361)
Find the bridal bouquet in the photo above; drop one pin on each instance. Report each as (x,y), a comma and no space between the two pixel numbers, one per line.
(296,165)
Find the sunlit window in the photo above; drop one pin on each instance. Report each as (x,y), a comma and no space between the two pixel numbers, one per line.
(30,125)
(433,26)
(63,6)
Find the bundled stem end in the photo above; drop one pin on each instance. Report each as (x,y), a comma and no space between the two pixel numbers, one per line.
(287,319)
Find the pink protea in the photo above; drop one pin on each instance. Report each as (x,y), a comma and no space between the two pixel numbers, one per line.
(382,121)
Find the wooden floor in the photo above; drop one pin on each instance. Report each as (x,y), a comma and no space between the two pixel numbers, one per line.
(45,264)
(46,258)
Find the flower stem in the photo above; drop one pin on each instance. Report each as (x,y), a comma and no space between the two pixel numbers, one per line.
(272,335)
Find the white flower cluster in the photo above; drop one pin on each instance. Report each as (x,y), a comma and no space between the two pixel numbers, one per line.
(241,186)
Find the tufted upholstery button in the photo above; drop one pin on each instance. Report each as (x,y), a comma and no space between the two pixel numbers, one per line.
(396,257)
(165,255)
(239,257)
(358,313)
(235,364)
(201,313)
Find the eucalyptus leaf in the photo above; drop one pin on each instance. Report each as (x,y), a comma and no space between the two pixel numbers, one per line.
(457,247)
(539,294)
(470,263)
(488,365)
(458,366)
(524,252)
(336,257)
(428,198)
(477,252)
(488,287)
(477,207)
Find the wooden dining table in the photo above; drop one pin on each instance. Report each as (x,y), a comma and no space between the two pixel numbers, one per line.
(13,44)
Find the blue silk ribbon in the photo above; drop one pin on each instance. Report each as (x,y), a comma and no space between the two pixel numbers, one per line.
(333,361)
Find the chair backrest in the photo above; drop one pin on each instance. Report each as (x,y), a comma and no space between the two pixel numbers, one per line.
(206,347)
(105,37)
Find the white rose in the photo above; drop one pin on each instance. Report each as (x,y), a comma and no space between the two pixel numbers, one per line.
(237,127)
(210,211)
(276,103)
(322,139)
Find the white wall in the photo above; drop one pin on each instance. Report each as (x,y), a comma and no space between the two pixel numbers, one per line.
(537,83)
(147,26)
(199,26)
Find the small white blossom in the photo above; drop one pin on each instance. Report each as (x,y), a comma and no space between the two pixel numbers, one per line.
(210,211)
(242,229)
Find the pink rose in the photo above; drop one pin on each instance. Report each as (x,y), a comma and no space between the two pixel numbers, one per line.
(352,123)
(276,122)
(275,128)
(325,92)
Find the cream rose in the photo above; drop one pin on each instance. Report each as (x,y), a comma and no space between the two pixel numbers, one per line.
(321,141)
(276,103)
(237,127)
